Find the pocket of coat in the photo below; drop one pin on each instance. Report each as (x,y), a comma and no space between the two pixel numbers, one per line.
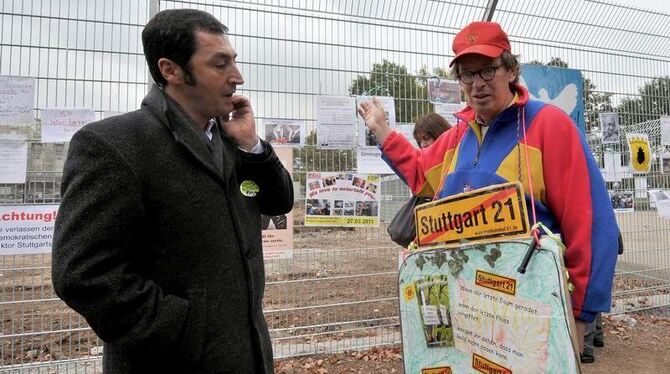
(193,333)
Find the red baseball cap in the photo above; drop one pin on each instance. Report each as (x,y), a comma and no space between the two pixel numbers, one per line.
(482,38)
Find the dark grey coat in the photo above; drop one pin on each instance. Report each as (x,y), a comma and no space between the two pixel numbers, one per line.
(159,250)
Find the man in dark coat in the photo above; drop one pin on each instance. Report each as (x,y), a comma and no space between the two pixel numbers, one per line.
(158,240)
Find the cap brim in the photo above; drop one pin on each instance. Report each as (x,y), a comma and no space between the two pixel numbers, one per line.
(484,50)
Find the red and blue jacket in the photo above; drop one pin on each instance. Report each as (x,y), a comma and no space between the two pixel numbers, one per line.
(569,193)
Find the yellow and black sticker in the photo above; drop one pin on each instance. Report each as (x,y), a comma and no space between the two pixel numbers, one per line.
(495,282)
(476,215)
(487,366)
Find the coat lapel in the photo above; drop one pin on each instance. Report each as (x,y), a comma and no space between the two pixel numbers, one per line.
(184,133)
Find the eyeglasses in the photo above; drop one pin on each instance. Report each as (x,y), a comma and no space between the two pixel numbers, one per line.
(487,73)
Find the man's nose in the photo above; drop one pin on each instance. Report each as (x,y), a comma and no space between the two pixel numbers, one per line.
(236,77)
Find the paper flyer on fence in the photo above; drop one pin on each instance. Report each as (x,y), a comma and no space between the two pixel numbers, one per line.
(17,95)
(14,156)
(336,121)
(277,231)
(342,199)
(26,229)
(58,125)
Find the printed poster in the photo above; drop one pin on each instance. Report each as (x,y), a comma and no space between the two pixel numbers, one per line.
(442,91)
(284,133)
(17,95)
(640,154)
(277,231)
(622,201)
(664,163)
(609,125)
(367,138)
(559,86)
(336,122)
(14,156)
(342,199)
(26,229)
(58,125)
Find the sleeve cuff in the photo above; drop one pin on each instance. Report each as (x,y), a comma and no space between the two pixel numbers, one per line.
(257,149)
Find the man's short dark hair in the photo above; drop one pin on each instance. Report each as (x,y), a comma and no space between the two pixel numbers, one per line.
(171,34)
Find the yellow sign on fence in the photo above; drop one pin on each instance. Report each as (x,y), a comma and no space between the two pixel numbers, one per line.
(483,214)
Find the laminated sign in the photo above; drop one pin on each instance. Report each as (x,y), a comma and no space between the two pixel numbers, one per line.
(474,216)
(469,309)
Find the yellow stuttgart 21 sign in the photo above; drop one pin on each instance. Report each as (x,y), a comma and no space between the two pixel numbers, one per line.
(495,282)
(475,215)
(485,366)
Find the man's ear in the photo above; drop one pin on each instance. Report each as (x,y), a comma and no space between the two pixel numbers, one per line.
(172,72)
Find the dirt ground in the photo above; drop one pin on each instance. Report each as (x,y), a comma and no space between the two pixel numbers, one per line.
(639,344)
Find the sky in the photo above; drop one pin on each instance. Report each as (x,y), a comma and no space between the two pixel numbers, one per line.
(657,5)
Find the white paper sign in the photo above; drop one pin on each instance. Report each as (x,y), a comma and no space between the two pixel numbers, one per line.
(665,130)
(17,95)
(58,125)
(447,111)
(430,315)
(14,156)
(26,229)
(367,138)
(613,169)
(336,121)
(370,161)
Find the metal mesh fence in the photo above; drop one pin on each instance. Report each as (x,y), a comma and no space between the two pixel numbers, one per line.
(339,290)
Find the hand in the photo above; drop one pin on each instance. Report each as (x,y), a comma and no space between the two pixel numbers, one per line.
(375,118)
(241,126)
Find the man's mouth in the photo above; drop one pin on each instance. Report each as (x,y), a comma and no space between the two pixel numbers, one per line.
(480,96)
(229,95)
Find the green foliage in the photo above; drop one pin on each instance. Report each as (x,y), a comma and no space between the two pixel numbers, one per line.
(652,102)
(391,79)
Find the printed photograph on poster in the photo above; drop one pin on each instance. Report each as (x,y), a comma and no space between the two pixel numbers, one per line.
(664,163)
(432,295)
(367,138)
(342,199)
(640,154)
(14,156)
(665,130)
(58,125)
(622,201)
(277,231)
(609,125)
(17,95)
(336,122)
(442,90)
(284,133)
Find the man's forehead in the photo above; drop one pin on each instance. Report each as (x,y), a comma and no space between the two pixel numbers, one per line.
(477,60)
(213,43)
